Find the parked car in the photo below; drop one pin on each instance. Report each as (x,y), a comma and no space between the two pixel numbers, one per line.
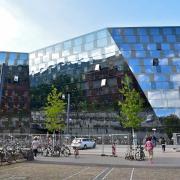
(83,143)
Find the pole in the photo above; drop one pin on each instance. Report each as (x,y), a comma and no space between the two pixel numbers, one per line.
(68,108)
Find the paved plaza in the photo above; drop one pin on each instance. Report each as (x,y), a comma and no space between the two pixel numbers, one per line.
(37,171)
(92,166)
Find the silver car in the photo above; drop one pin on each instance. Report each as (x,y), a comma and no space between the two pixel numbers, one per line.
(83,143)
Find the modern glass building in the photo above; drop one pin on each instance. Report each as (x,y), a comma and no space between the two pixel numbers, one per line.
(14,92)
(96,62)
(90,68)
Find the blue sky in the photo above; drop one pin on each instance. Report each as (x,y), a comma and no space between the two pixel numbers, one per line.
(27,25)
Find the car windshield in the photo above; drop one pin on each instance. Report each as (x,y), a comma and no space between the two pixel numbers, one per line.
(77,140)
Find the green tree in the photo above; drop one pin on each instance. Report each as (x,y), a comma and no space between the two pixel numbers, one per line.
(54,110)
(171,124)
(130,106)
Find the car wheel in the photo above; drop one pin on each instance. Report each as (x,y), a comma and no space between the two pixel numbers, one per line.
(85,146)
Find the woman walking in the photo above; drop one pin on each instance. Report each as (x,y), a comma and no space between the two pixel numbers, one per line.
(149,147)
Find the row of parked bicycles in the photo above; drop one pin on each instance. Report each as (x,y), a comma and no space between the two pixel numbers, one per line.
(56,151)
(19,149)
(136,153)
(13,150)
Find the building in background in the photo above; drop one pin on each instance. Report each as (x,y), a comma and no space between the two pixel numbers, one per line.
(90,68)
(14,93)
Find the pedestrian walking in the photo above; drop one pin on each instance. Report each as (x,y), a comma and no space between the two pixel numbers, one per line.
(114,149)
(76,152)
(149,148)
(35,145)
(163,144)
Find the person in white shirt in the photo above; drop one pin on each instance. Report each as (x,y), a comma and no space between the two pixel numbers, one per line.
(35,145)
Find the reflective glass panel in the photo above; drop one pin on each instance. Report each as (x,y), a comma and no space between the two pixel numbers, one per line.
(67,44)
(23,56)
(12,57)
(155,54)
(169,53)
(173,94)
(145,85)
(118,39)
(130,39)
(178,68)
(102,42)
(143,77)
(125,47)
(76,49)
(155,94)
(176,61)
(154,31)
(133,62)
(163,61)
(164,112)
(135,69)
(173,102)
(167,31)
(178,30)
(149,69)
(49,50)
(140,54)
(151,47)
(58,47)
(157,39)
(144,39)
(89,37)
(160,77)
(171,38)
(128,31)
(165,46)
(162,85)
(141,31)
(101,34)
(138,47)
(177,46)
(78,41)
(116,31)
(158,103)
(20,61)
(89,46)
(126,54)
(65,53)
(166,69)
(147,61)
(176,84)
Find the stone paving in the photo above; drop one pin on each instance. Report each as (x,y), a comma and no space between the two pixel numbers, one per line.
(91,166)
(36,171)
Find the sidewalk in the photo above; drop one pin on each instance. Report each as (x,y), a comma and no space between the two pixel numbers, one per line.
(93,157)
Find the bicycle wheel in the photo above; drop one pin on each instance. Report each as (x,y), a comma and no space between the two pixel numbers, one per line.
(138,156)
(65,153)
(142,155)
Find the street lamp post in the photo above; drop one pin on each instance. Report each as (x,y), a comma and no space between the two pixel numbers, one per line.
(68,109)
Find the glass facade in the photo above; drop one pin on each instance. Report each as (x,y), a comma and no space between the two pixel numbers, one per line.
(14,92)
(153,55)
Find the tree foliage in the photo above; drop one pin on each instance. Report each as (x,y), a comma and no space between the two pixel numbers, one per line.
(131,105)
(171,124)
(54,111)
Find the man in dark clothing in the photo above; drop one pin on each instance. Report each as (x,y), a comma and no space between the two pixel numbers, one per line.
(163,144)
